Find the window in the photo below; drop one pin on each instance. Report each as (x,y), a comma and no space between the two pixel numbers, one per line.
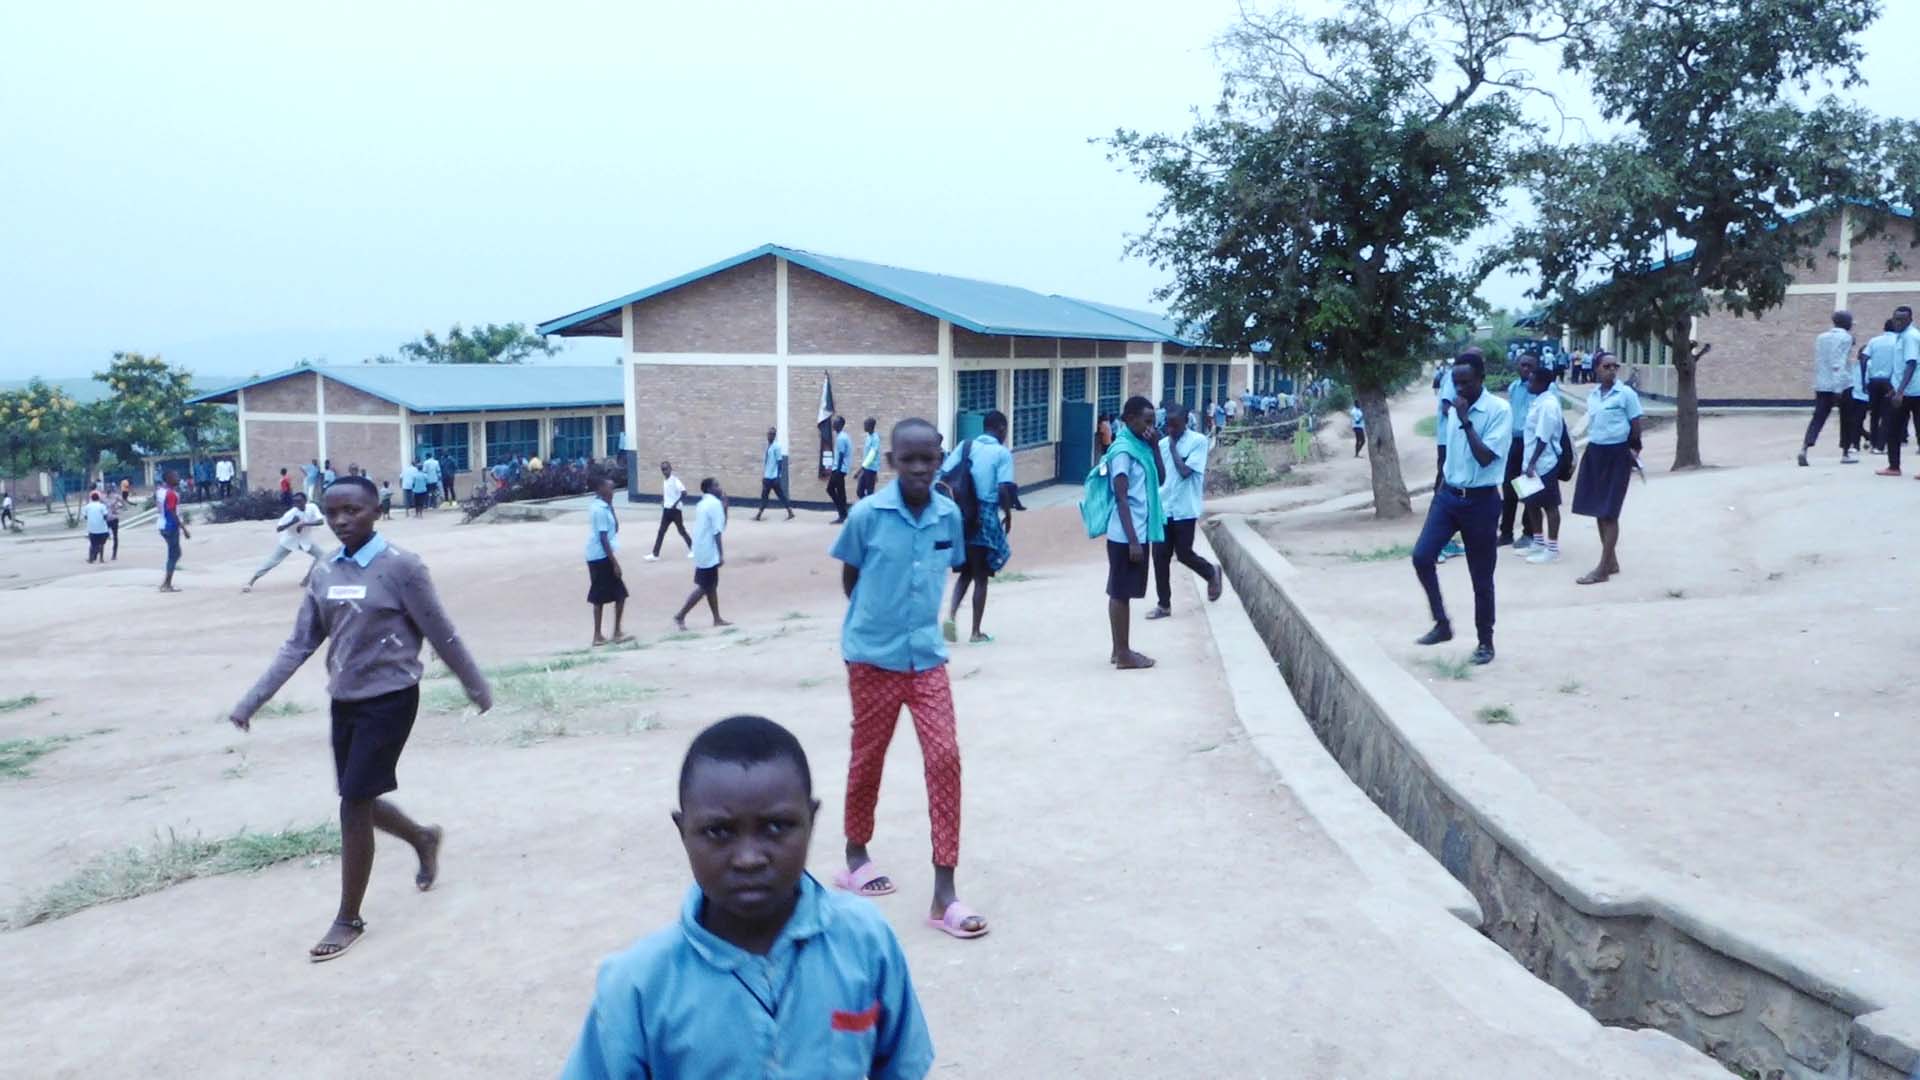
(1169,383)
(572,438)
(978,391)
(447,441)
(616,427)
(1073,384)
(1206,386)
(1109,403)
(1191,373)
(508,438)
(1031,403)
(1220,373)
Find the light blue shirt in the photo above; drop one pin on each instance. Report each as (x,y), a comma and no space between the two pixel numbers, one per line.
(1545,420)
(365,556)
(1359,418)
(1181,496)
(770,469)
(1610,414)
(992,466)
(842,452)
(311,472)
(831,999)
(1443,394)
(1856,379)
(1139,474)
(96,512)
(709,521)
(1909,352)
(870,454)
(893,617)
(432,467)
(601,519)
(1519,401)
(1881,352)
(1492,418)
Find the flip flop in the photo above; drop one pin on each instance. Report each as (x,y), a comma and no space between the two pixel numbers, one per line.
(355,924)
(1215,586)
(949,631)
(983,639)
(954,921)
(856,881)
(421,879)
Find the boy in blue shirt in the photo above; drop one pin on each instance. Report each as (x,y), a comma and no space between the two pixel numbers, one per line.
(842,460)
(766,973)
(896,548)
(869,461)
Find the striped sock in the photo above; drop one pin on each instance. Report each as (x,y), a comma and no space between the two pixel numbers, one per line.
(1553,546)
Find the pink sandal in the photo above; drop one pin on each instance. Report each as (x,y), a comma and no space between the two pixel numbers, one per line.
(856,881)
(954,921)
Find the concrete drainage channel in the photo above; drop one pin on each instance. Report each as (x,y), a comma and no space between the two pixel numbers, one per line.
(1766,993)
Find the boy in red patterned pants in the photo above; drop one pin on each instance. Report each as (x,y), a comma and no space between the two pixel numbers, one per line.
(896,547)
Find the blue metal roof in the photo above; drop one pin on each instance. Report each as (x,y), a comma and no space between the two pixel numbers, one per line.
(434,388)
(980,306)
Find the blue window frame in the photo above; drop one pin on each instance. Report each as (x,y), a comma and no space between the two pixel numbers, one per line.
(1073,384)
(447,441)
(1190,386)
(977,391)
(1109,388)
(1169,383)
(616,426)
(1031,402)
(507,439)
(572,438)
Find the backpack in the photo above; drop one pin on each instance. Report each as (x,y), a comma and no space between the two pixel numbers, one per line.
(958,482)
(1096,501)
(1565,471)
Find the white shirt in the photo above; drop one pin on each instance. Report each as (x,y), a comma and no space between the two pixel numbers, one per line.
(96,517)
(1830,352)
(1545,421)
(709,521)
(671,492)
(1181,496)
(223,471)
(303,522)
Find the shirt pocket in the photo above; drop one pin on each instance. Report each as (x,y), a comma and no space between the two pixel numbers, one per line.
(852,1035)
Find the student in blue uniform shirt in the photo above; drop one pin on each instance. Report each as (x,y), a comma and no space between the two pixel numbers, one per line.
(987,546)
(772,461)
(1443,393)
(1519,400)
(869,460)
(1475,433)
(837,478)
(1609,462)
(1183,483)
(766,973)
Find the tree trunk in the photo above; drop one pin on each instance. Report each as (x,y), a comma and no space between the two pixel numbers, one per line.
(1389,489)
(1686,399)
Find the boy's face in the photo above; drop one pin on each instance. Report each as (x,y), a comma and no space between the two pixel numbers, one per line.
(350,513)
(916,457)
(1139,422)
(746,831)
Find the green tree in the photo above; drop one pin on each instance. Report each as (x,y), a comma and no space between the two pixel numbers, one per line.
(36,431)
(149,413)
(506,343)
(1700,202)
(1326,203)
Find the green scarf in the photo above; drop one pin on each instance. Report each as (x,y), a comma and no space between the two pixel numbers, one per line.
(1137,448)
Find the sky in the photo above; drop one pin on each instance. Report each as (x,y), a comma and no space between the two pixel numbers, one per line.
(240,186)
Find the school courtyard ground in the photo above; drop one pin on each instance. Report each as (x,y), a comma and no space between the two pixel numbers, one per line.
(1162,904)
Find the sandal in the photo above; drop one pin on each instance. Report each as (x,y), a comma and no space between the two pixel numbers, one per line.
(1592,577)
(856,881)
(359,926)
(954,922)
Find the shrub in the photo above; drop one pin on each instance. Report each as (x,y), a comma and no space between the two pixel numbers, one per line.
(1246,465)
(253,506)
(553,482)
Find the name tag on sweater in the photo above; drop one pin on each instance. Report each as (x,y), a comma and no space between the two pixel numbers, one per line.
(346,592)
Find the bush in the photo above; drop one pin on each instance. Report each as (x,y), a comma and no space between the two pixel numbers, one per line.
(1246,465)
(553,482)
(253,506)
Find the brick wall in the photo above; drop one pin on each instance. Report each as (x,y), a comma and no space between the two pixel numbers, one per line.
(1035,465)
(1036,348)
(347,401)
(1870,256)
(888,394)
(1078,348)
(1117,350)
(966,343)
(373,447)
(828,316)
(709,421)
(728,312)
(293,394)
(1139,348)
(1139,381)
(273,445)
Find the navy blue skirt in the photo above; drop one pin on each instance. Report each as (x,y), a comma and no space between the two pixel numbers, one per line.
(1600,485)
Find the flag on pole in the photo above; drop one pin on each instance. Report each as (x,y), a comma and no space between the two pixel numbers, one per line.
(826,425)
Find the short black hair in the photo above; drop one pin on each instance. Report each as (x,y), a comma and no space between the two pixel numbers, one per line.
(708,484)
(1474,360)
(1179,410)
(869,423)
(839,422)
(912,423)
(360,482)
(745,740)
(1886,328)
(1135,405)
(995,419)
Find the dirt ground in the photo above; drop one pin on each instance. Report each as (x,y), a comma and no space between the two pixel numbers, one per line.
(1735,706)
(1161,907)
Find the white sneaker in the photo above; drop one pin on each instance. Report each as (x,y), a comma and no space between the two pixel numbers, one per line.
(1523,543)
(1543,555)
(689,554)
(652,558)
(1848,459)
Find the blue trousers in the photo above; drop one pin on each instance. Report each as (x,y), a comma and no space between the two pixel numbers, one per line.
(1476,517)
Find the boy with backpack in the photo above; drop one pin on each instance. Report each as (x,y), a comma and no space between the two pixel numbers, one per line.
(1121,501)
(978,475)
(1549,459)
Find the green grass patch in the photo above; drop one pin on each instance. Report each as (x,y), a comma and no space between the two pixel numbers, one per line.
(18,755)
(1459,669)
(808,684)
(1427,426)
(13,704)
(792,616)
(170,860)
(542,692)
(1386,554)
(1012,577)
(282,708)
(1495,714)
(681,635)
(1571,686)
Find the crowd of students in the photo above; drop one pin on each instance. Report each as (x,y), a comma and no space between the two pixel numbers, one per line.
(1873,388)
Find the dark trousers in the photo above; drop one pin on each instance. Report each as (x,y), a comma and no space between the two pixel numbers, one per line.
(1359,440)
(866,482)
(837,491)
(172,537)
(1898,417)
(114,527)
(1509,502)
(1823,403)
(1178,544)
(1852,412)
(772,485)
(226,489)
(96,546)
(670,519)
(446,487)
(1475,515)
(1878,391)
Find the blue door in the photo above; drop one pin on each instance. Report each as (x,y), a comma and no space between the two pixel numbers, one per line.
(1076,441)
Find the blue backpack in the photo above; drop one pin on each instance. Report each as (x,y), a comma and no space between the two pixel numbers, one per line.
(1096,501)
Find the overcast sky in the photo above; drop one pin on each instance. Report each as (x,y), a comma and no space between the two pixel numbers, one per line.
(240,186)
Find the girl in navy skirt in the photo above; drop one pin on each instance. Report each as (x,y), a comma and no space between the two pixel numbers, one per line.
(1612,454)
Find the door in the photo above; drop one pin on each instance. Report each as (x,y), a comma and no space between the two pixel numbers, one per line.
(1076,441)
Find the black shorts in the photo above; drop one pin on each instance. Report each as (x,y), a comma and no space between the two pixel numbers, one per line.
(1126,579)
(603,585)
(1548,497)
(706,577)
(367,739)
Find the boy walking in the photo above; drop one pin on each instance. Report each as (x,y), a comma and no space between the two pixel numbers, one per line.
(166,499)
(1475,433)
(895,551)
(773,461)
(1183,471)
(1136,521)
(605,583)
(374,603)
(97,530)
(1546,421)
(766,972)
(672,494)
(837,479)
(996,497)
(709,521)
(296,530)
(869,460)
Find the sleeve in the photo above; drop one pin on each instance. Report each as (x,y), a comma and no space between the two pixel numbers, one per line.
(1197,457)
(309,631)
(422,606)
(850,546)
(1118,466)
(1634,411)
(612,1045)
(1003,469)
(1499,432)
(1909,346)
(903,1048)
(956,539)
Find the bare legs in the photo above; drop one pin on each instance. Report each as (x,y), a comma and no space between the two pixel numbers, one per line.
(713,602)
(1119,623)
(979,584)
(619,612)
(1609,563)
(358,819)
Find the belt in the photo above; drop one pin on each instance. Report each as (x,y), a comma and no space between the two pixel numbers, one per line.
(1463,492)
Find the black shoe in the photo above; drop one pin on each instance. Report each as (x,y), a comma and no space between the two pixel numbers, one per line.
(1506,539)
(1483,653)
(1440,632)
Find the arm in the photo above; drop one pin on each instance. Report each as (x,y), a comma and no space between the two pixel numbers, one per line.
(1009,502)
(1900,384)
(1481,452)
(1134,554)
(606,545)
(902,1047)
(1633,434)
(309,630)
(422,606)
(284,526)
(849,577)
(612,1043)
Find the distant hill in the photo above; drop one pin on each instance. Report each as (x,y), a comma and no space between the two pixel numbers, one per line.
(85,390)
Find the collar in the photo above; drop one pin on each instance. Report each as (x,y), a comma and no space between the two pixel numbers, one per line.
(810,919)
(367,553)
(989,440)
(889,498)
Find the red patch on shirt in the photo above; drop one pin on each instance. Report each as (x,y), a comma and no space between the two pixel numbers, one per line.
(856,1021)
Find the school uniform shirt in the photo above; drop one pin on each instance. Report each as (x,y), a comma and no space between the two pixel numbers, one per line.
(1519,402)
(1492,418)
(419,485)
(870,454)
(96,512)
(992,466)
(1908,352)
(1443,394)
(1831,350)
(672,491)
(1858,378)
(223,472)
(709,521)
(770,469)
(1359,418)
(831,999)
(893,616)
(374,607)
(842,452)
(1545,421)
(300,535)
(167,501)
(311,473)
(1139,474)
(601,519)
(1881,353)
(431,467)
(1610,414)
(1181,496)
(328,476)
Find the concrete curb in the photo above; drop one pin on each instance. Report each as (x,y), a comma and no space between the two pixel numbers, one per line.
(1754,986)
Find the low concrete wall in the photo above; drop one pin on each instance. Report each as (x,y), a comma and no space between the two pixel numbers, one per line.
(1758,988)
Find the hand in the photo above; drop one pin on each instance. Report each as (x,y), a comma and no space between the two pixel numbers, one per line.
(1006,523)
(241,721)
(615,565)
(1461,404)
(184,534)
(1530,473)
(1136,552)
